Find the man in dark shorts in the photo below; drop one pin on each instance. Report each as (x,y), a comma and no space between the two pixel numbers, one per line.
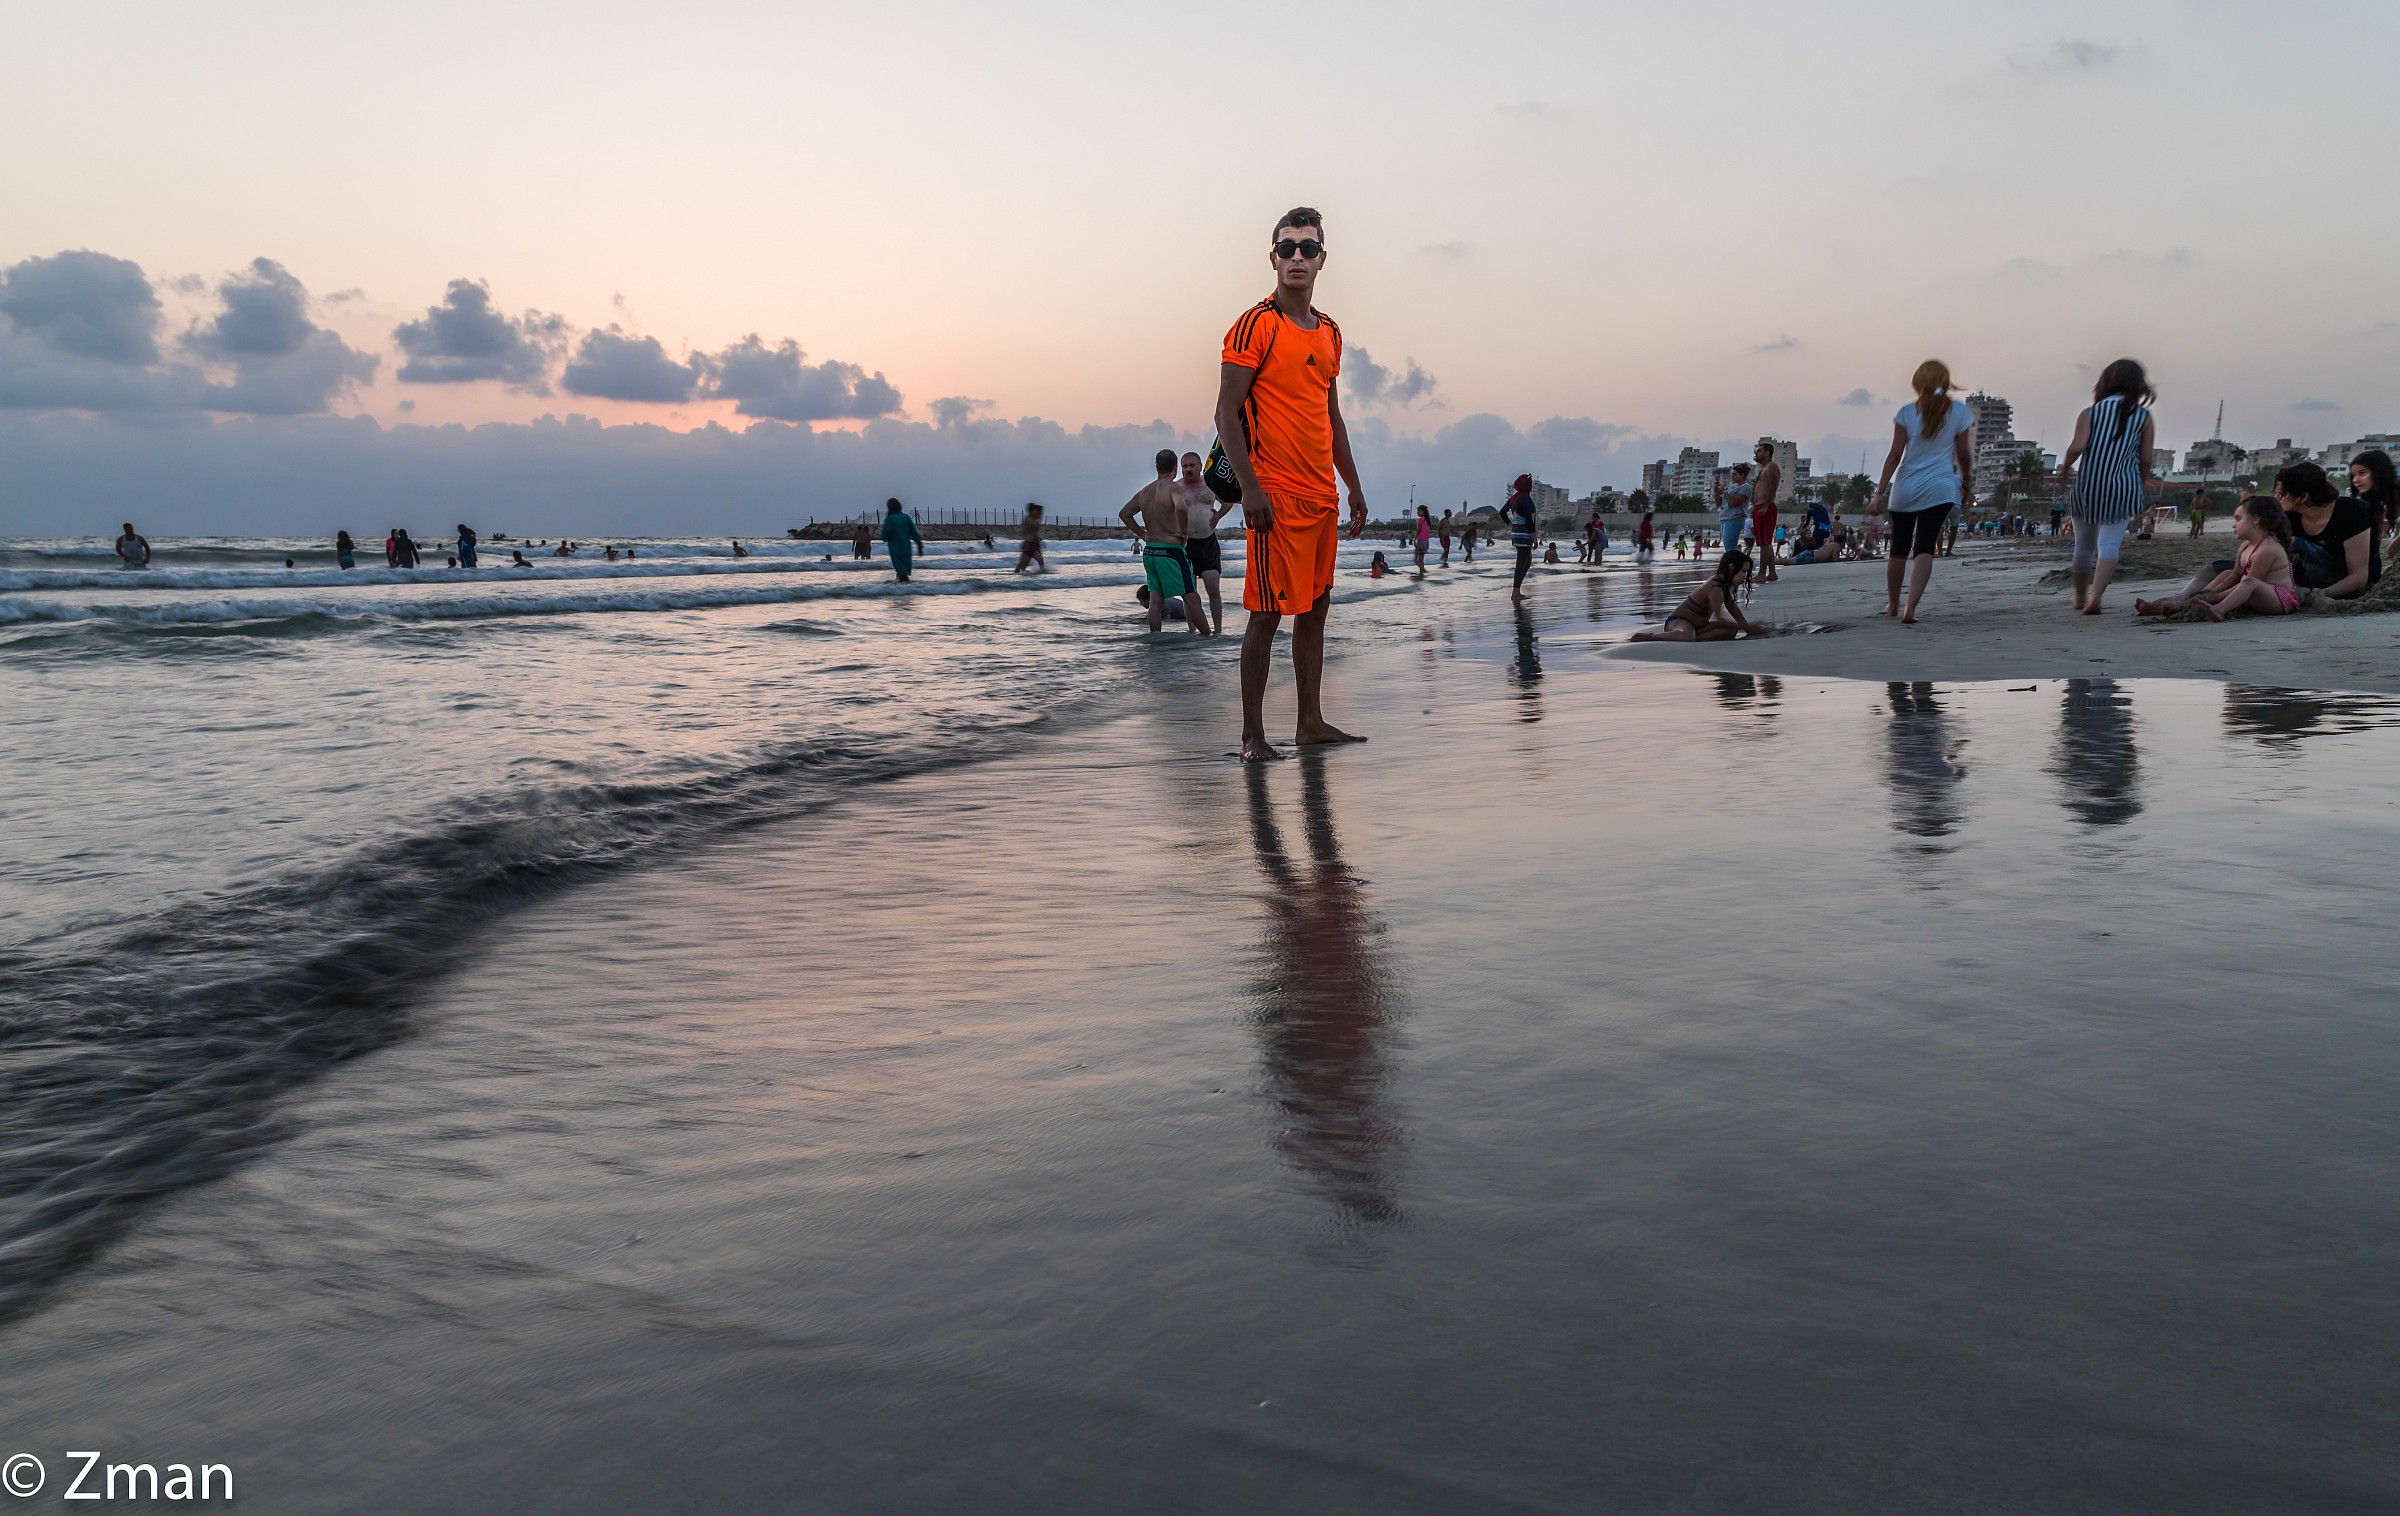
(1202,511)
(1279,419)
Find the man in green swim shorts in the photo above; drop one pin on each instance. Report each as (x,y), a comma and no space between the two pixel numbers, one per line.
(1157,514)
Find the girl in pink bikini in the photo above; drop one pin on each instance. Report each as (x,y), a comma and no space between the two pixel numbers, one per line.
(2261,578)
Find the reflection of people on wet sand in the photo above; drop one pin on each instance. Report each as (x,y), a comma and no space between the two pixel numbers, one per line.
(1526,670)
(1323,1003)
(1918,762)
(1709,613)
(2096,765)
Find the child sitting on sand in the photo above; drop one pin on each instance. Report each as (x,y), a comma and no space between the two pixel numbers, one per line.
(2261,577)
(1708,613)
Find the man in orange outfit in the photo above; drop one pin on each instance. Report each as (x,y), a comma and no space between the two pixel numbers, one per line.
(1279,420)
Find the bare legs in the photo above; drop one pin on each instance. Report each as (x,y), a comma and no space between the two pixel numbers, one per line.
(1216,604)
(1308,673)
(1895,568)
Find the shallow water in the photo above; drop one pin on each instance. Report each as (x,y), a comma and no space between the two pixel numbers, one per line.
(1611,1088)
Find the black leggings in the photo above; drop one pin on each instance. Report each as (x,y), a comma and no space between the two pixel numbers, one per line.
(1524,562)
(1916,534)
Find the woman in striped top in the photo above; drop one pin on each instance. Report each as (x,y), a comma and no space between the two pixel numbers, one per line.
(2112,439)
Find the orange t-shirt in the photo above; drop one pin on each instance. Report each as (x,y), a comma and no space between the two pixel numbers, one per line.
(1288,416)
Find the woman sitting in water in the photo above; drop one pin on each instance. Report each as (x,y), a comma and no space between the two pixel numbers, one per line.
(2261,577)
(1708,614)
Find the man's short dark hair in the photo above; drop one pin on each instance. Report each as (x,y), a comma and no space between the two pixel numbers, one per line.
(1302,218)
(1165,460)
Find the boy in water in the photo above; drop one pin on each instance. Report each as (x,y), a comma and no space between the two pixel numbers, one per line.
(1156,515)
(1029,541)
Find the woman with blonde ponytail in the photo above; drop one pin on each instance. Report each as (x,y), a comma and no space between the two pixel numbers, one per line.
(1934,460)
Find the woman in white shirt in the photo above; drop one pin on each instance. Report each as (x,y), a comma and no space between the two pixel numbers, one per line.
(1934,461)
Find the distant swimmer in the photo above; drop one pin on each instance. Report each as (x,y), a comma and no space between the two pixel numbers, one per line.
(565,549)
(1645,538)
(1202,511)
(1279,420)
(629,552)
(345,551)
(1466,538)
(1709,613)
(900,538)
(404,549)
(1156,516)
(740,551)
(466,545)
(609,552)
(862,542)
(287,563)
(1029,541)
(517,559)
(1442,530)
(133,549)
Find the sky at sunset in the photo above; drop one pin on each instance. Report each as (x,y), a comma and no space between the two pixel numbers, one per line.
(1643,225)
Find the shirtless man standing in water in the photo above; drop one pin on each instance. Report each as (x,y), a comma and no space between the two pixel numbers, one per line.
(1202,511)
(1765,485)
(1029,541)
(1165,563)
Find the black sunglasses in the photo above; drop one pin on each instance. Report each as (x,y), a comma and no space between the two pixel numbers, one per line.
(1307,247)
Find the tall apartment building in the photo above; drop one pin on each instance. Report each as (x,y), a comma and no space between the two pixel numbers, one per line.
(1657,478)
(1549,500)
(1996,462)
(1694,471)
(1994,418)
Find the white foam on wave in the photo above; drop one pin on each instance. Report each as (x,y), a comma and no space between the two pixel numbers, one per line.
(18,611)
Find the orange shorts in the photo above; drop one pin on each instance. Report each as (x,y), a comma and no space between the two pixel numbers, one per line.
(1290,564)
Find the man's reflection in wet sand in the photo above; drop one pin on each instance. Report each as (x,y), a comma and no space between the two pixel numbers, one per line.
(2097,767)
(1920,760)
(1525,670)
(1324,1001)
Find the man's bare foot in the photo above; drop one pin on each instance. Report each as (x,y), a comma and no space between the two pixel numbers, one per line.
(1323,734)
(1258,750)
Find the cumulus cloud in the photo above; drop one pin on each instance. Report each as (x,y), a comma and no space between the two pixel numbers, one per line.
(779,384)
(283,363)
(462,339)
(1860,397)
(84,303)
(612,364)
(82,334)
(956,410)
(1782,344)
(1375,387)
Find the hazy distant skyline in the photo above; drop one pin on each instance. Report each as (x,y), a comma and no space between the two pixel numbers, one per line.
(1700,225)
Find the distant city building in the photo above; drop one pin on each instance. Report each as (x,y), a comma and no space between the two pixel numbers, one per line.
(1695,470)
(2268,459)
(2162,461)
(2213,455)
(2337,458)
(1997,462)
(1549,500)
(1994,418)
(1657,478)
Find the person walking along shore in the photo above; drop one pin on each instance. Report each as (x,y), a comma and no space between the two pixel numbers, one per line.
(1932,462)
(2112,439)
(1279,420)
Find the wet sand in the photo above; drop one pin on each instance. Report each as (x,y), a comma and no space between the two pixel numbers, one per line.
(1610,1088)
(1987,615)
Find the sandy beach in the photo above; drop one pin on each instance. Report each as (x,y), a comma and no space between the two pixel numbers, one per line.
(1989,615)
